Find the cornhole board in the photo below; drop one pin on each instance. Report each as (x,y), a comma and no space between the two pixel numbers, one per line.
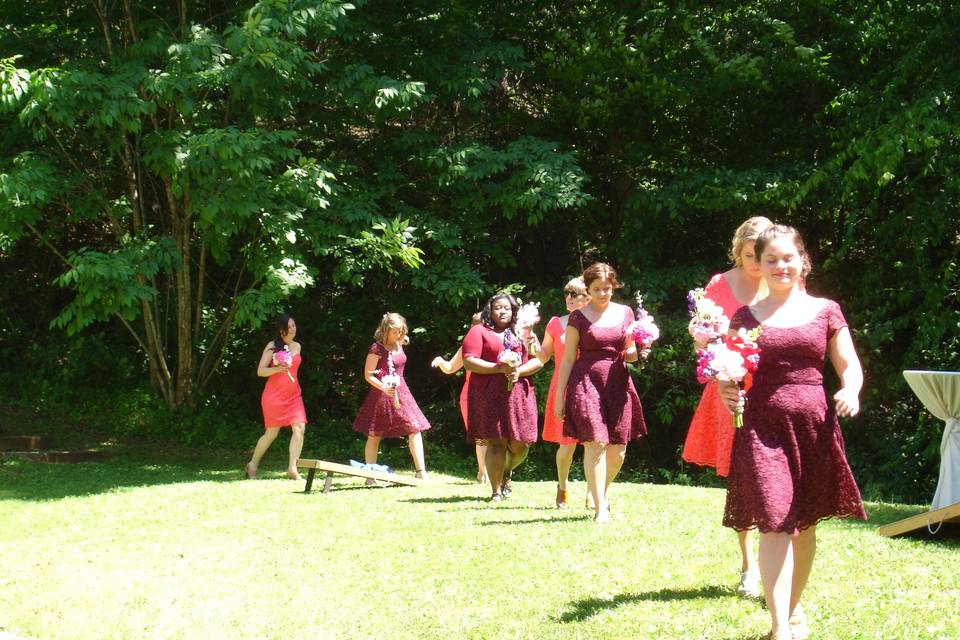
(930,520)
(331,468)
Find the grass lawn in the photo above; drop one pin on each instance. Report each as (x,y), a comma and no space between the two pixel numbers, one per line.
(180,547)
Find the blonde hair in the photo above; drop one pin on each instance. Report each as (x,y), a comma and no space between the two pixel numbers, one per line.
(748,231)
(577,284)
(391,321)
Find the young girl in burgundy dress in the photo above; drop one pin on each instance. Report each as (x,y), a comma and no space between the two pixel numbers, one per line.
(389,410)
(788,470)
(595,396)
(710,437)
(501,406)
(282,400)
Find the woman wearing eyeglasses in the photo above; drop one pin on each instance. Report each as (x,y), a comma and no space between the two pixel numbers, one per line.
(575,295)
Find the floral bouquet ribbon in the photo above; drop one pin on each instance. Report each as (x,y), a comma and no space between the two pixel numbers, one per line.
(730,360)
(511,353)
(283,358)
(643,329)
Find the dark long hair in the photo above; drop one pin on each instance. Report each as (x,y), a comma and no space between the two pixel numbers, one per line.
(283,325)
(486,314)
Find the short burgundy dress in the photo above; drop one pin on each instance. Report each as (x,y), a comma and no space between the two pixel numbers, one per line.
(492,411)
(602,404)
(379,415)
(788,469)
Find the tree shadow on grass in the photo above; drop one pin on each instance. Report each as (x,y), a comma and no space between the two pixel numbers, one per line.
(448,500)
(578,518)
(584,609)
(37,481)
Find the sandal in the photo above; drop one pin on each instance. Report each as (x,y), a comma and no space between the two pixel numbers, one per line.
(506,488)
(497,497)
(561,498)
(421,475)
(799,630)
(247,474)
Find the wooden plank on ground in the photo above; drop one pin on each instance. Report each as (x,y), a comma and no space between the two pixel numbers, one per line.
(345,469)
(930,520)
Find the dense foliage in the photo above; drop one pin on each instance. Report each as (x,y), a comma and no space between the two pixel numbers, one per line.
(172,175)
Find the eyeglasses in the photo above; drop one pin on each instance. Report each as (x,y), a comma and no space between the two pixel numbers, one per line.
(571,294)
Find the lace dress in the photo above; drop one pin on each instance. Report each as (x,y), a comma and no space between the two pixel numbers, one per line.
(493,412)
(602,404)
(379,415)
(788,470)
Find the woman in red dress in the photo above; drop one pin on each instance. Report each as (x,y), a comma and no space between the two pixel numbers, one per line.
(389,410)
(575,295)
(710,437)
(600,406)
(501,406)
(788,470)
(450,367)
(282,400)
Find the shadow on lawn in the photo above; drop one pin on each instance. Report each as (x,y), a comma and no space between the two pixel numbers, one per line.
(448,500)
(583,609)
(36,481)
(578,518)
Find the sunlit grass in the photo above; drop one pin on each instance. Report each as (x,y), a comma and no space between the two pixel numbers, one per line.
(169,549)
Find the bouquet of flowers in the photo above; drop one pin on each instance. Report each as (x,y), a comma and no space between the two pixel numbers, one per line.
(527,316)
(730,360)
(707,321)
(643,330)
(391,380)
(283,358)
(512,353)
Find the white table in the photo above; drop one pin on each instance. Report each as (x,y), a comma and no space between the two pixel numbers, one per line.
(939,391)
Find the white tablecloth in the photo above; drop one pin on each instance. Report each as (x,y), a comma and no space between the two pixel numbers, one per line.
(939,391)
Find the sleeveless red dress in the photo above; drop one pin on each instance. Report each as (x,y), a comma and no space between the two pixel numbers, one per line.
(602,404)
(710,437)
(789,469)
(552,425)
(493,412)
(282,400)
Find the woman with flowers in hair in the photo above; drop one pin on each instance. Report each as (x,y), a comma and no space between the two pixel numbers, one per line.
(389,410)
(710,437)
(501,406)
(282,400)
(788,470)
(595,396)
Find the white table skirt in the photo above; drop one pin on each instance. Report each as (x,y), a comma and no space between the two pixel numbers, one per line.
(939,391)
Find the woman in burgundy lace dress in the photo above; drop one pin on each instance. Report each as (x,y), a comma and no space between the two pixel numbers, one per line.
(501,407)
(389,410)
(595,396)
(788,469)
